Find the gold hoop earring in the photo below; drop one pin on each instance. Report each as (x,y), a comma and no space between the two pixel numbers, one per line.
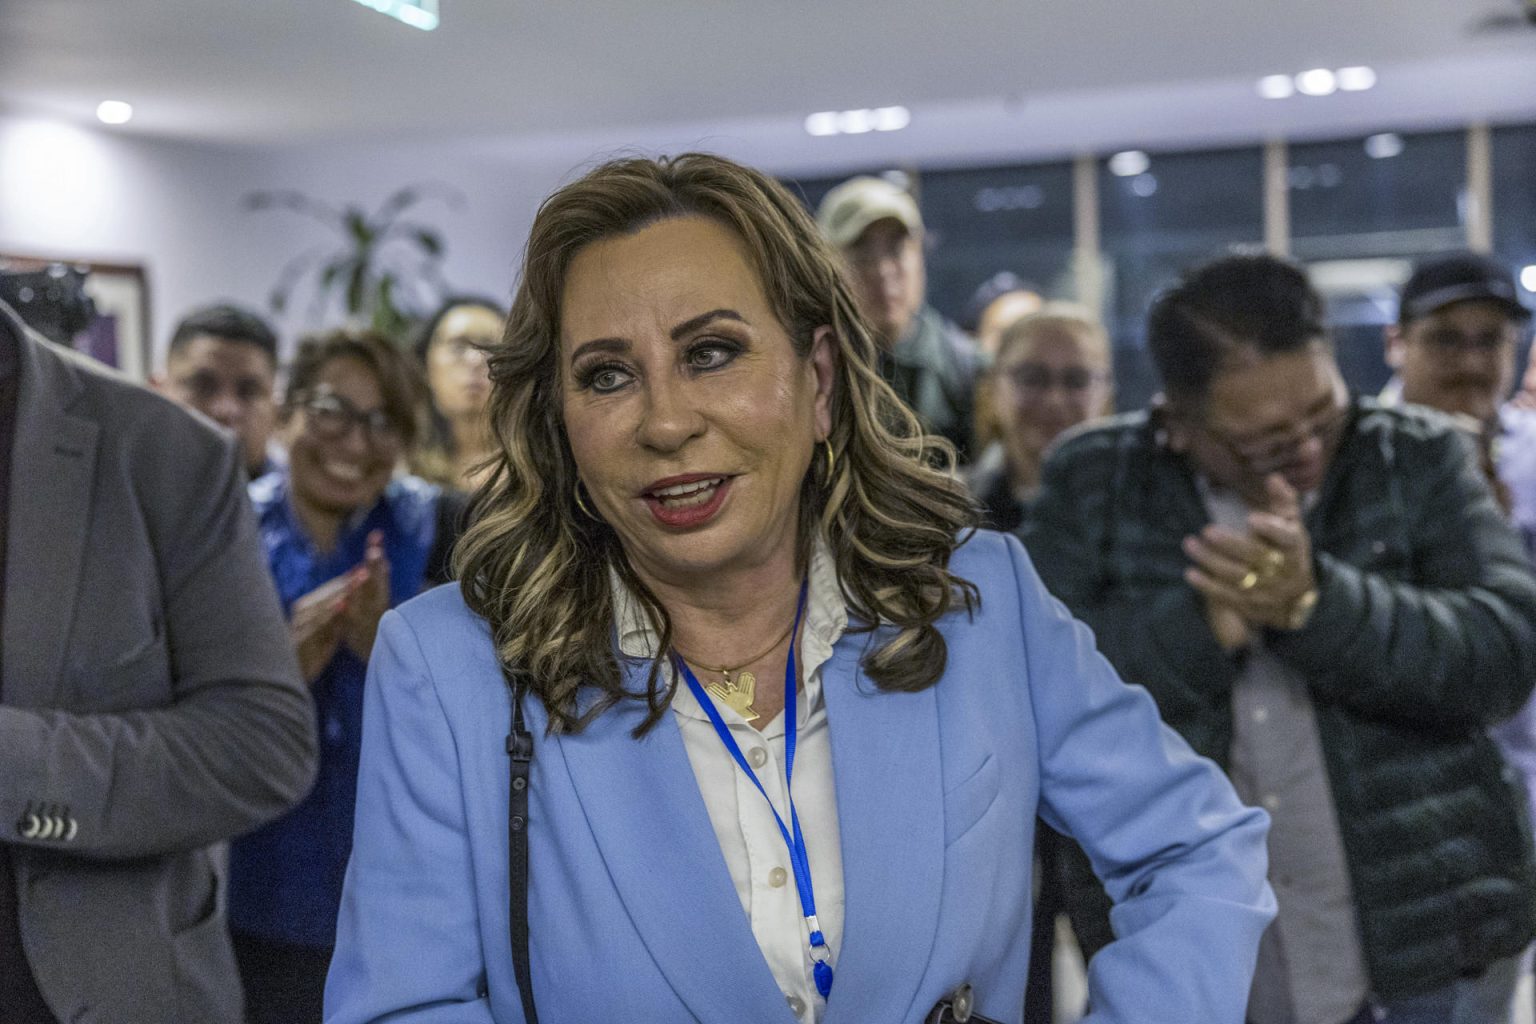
(831,457)
(576,491)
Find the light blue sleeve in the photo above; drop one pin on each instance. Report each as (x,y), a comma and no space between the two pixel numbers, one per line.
(408,938)
(1182,858)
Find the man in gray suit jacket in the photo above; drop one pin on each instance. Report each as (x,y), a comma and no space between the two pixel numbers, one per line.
(150,703)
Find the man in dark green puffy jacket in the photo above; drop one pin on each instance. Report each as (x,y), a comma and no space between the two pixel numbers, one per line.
(1323,597)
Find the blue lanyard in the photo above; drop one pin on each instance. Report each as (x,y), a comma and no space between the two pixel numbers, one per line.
(820,954)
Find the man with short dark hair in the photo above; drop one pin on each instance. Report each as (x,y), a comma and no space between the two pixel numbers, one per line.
(222,361)
(150,703)
(928,360)
(1323,597)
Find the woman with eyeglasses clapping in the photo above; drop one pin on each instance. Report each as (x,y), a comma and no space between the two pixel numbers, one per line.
(347,537)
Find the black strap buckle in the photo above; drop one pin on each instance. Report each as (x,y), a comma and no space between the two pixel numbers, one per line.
(520,745)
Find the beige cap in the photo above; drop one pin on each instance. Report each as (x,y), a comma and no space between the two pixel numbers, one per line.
(858,202)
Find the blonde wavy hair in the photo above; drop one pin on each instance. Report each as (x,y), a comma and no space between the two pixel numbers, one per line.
(537,568)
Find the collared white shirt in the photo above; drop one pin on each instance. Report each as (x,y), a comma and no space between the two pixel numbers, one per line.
(750,841)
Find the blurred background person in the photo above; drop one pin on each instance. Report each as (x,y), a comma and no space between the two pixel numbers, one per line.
(346,539)
(1459,325)
(222,361)
(1052,371)
(1000,300)
(928,360)
(1323,596)
(451,349)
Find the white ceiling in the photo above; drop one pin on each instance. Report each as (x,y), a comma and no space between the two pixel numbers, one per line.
(981,76)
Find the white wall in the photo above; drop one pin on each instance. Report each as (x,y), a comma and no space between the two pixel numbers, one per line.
(175,208)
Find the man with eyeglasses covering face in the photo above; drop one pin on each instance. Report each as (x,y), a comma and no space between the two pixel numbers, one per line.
(1323,596)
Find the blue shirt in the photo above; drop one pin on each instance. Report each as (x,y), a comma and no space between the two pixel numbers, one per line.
(285,878)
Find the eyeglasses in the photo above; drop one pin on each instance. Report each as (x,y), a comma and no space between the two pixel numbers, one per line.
(332,417)
(461,350)
(1262,458)
(1037,379)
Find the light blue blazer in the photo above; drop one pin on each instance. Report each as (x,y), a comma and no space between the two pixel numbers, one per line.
(632,911)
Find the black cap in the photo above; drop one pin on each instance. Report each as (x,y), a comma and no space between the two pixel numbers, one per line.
(1438,282)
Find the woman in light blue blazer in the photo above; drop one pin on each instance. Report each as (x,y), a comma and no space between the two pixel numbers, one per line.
(734,717)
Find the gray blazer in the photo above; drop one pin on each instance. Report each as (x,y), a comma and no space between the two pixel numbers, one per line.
(152,702)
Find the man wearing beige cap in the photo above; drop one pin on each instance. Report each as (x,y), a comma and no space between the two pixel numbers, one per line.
(930,363)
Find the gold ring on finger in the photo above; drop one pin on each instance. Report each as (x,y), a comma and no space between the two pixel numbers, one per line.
(1249,581)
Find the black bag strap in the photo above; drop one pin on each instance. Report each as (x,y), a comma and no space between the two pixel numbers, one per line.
(520,751)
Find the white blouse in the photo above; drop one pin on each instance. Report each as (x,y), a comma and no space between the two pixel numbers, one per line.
(749,837)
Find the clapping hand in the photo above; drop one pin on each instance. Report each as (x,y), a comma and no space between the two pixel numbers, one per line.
(369,598)
(1254,578)
(316,625)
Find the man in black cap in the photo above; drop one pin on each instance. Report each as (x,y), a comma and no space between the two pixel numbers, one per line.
(1459,325)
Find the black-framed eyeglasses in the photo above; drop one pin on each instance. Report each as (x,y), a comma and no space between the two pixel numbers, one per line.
(332,417)
(1262,457)
(1038,379)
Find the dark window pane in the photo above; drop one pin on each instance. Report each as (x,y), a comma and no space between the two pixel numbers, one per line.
(1514,205)
(1404,200)
(1181,210)
(982,221)
(1362,211)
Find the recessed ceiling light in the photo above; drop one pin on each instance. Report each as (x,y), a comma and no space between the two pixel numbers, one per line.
(1528,278)
(1144,185)
(420,14)
(1277,87)
(1129,163)
(114,112)
(823,123)
(1356,79)
(858,122)
(1317,82)
(1384,146)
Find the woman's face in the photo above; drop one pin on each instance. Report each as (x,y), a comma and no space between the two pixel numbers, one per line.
(336,463)
(457,371)
(1046,384)
(690,416)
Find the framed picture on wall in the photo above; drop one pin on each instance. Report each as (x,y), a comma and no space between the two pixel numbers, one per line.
(119,332)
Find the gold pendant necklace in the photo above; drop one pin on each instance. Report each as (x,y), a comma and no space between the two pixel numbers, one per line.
(737,687)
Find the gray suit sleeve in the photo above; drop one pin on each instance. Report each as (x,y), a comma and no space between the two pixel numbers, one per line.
(233,746)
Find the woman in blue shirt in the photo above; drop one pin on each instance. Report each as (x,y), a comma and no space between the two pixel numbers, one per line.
(346,539)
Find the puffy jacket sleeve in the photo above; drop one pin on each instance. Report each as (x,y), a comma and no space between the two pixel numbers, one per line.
(1153,631)
(1452,643)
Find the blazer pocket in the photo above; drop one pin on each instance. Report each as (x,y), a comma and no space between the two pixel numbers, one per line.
(969,800)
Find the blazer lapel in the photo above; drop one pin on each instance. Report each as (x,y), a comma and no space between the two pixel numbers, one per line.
(890,809)
(642,803)
(52,467)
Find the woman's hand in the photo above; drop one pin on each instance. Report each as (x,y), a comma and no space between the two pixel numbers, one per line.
(369,598)
(316,625)
(1262,575)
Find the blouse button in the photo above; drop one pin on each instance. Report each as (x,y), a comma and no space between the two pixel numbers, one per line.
(758,757)
(777,877)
